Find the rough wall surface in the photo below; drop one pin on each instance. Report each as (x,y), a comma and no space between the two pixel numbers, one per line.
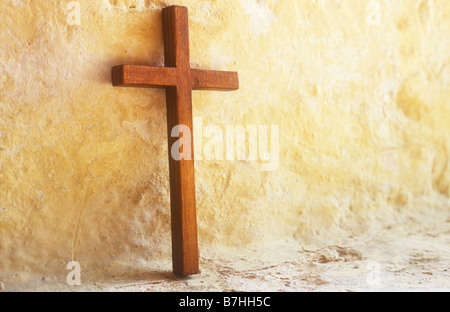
(360,90)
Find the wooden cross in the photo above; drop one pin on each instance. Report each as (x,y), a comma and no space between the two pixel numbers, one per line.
(178,79)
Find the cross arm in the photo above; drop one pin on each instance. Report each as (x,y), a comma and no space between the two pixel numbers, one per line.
(143,76)
(214,80)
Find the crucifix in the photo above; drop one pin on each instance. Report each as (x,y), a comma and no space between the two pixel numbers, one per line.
(178,79)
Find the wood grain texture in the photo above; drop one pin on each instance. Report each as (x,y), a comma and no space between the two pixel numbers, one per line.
(154,77)
(179,80)
(143,76)
(179,112)
(214,80)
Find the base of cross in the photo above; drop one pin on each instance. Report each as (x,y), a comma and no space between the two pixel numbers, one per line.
(178,79)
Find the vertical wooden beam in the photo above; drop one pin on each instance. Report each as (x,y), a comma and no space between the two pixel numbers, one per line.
(179,112)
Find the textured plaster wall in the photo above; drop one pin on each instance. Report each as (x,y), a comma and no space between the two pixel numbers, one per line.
(361,96)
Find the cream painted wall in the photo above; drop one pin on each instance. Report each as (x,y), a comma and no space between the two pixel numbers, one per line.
(360,90)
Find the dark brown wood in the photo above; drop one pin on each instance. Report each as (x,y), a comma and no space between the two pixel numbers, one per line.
(214,80)
(143,76)
(179,80)
(154,77)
